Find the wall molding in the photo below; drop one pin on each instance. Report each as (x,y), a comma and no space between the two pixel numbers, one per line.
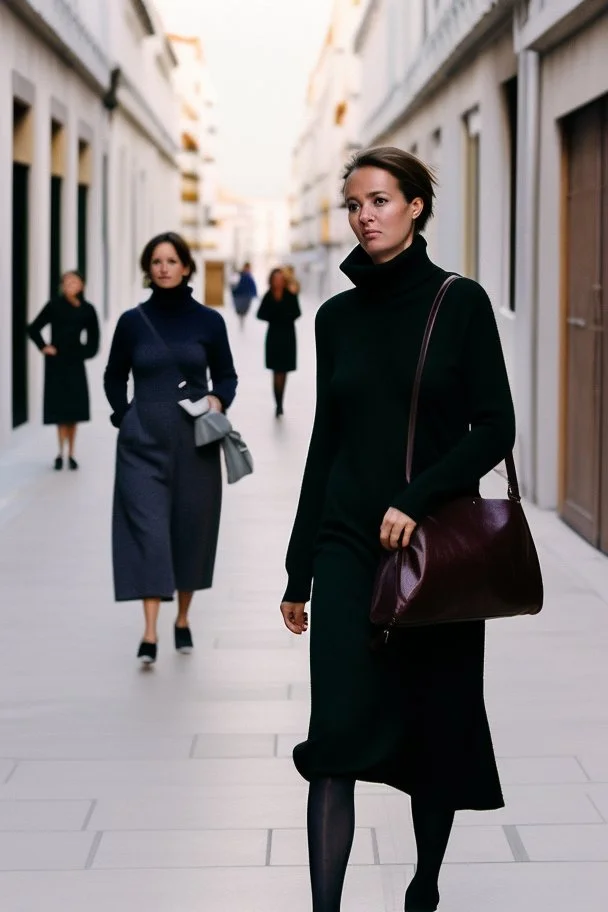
(462,27)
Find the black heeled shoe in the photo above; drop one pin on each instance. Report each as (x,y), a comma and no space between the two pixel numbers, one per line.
(183,640)
(147,652)
(419,898)
(72,463)
(58,464)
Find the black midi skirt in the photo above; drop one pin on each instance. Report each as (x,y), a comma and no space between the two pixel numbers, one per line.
(66,391)
(411,715)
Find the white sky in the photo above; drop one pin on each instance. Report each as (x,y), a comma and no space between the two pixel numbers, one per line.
(260,54)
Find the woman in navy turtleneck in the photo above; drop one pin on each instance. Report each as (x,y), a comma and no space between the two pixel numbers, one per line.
(168,494)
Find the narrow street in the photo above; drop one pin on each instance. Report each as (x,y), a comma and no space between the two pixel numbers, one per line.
(173,790)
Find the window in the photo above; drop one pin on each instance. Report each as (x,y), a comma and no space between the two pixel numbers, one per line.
(84,181)
(472,131)
(56,190)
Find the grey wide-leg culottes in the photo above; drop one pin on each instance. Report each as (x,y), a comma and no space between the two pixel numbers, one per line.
(167,505)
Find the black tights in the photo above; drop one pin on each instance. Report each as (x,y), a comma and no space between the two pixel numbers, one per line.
(278,384)
(331,828)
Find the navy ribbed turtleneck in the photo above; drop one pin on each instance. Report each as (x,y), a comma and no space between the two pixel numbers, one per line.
(196,336)
(171,300)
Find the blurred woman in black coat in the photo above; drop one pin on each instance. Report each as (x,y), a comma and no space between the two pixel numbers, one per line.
(66,391)
(280,309)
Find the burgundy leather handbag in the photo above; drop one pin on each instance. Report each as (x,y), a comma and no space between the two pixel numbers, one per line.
(471,559)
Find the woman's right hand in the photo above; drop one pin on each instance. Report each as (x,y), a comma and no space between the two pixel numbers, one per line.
(49,350)
(295,616)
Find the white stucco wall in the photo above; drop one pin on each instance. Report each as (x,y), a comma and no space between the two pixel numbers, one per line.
(143,181)
(479,85)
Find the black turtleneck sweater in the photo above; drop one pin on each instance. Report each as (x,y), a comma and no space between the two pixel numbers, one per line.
(368,341)
(195,334)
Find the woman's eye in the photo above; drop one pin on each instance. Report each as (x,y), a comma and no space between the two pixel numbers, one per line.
(380,200)
(352,207)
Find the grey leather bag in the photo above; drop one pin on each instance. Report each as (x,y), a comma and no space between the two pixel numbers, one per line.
(211,427)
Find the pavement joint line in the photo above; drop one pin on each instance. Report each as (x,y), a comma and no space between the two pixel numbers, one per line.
(93,850)
(515,843)
(602,818)
(375,848)
(193,747)
(290,691)
(12,772)
(268,848)
(583,768)
(276,745)
(89,814)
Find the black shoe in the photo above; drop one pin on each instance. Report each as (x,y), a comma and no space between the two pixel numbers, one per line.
(72,463)
(419,898)
(183,640)
(147,653)
(279,411)
(59,464)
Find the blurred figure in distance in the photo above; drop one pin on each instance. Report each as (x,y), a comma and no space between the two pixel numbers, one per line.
(280,309)
(66,391)
(244,292)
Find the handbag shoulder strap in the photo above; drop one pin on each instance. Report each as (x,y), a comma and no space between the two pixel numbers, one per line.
(160,339)
(513,488)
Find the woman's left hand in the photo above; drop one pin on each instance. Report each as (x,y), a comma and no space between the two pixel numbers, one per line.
(215,404)
(396,529)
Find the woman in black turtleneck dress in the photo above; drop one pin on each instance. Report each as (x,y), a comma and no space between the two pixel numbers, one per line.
(168,493)
(412,716)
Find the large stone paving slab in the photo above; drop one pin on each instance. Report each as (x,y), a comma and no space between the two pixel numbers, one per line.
(174,791)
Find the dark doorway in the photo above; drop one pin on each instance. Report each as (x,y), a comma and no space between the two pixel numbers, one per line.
(105,234)
(83,223)
(510,94)
(20,255)
(55,244)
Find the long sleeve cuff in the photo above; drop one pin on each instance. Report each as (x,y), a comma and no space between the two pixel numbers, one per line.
(297,591)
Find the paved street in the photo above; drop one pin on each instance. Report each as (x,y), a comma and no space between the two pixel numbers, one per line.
(173,790)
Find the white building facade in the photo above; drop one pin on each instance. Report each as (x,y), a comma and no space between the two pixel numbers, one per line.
(87,166)
(198,161)
(508,101)
(320,235)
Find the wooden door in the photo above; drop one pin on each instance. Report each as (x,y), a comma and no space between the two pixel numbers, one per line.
(214,283)
(581,505)
(601,304)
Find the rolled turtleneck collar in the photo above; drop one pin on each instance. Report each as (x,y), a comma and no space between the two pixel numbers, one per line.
(172,300)
(409,268)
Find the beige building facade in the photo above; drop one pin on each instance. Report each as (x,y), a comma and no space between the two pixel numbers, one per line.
(320,234)
(87,166)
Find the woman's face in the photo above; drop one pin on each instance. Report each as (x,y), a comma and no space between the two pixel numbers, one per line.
(72,285)
(166,268)
(277,282)
(379,214)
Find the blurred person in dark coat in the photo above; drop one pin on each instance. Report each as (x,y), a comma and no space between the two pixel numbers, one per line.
(244,292)
(66,391)
(280,309)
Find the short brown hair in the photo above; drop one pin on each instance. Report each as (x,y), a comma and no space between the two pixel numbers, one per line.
(415,179)
(181,248)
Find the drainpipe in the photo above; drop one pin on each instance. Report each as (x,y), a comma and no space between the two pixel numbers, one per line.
(526,315)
